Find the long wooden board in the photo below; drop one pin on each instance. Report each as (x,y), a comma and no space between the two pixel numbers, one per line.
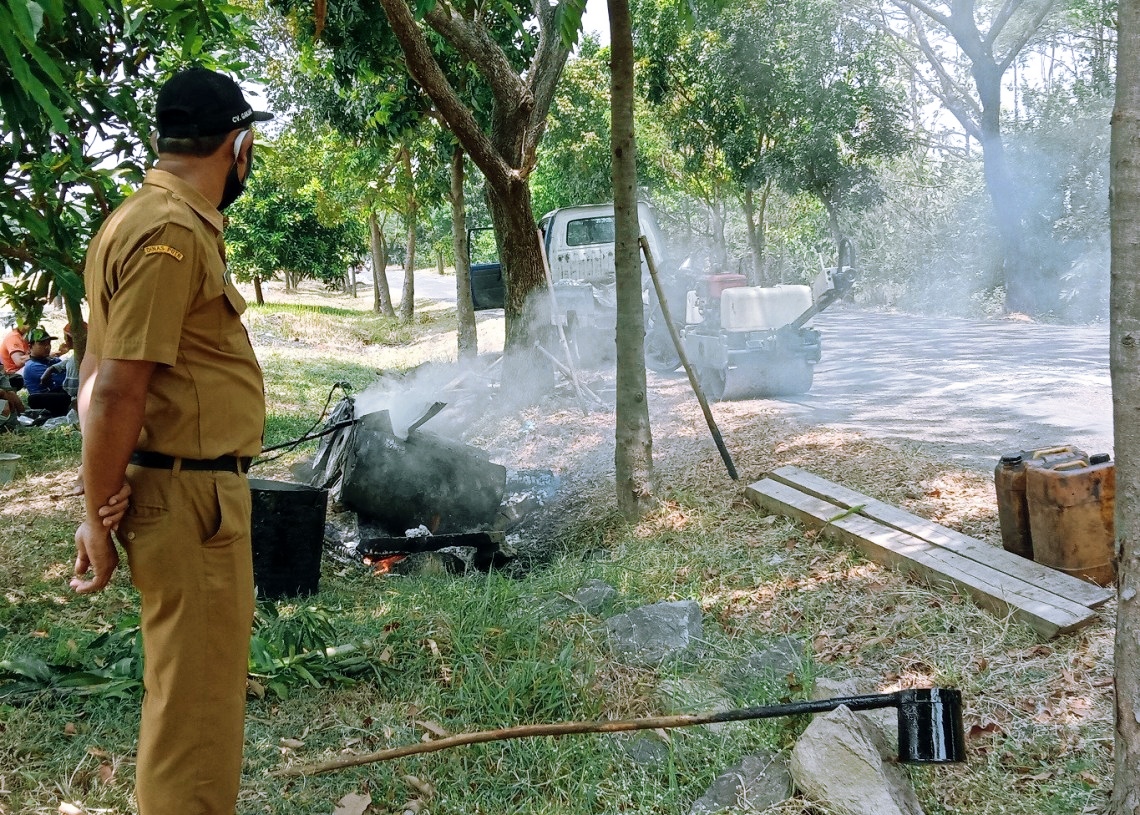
(1046,613)
(1053,581)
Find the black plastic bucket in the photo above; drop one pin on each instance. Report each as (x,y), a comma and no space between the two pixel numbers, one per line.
(288,530)
(930,726)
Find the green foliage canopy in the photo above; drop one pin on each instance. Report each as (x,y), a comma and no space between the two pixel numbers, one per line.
(76,85)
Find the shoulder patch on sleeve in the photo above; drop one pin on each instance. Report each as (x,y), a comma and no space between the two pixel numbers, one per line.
(162,248)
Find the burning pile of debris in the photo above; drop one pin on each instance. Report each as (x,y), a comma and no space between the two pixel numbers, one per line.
(409,491)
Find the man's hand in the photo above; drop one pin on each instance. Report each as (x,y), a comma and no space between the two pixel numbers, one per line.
(95,553)
(45,380)
(116,507)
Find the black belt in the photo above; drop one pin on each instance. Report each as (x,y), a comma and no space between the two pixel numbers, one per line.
(161,461)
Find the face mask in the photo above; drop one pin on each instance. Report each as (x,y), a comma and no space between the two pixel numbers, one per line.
(236,186)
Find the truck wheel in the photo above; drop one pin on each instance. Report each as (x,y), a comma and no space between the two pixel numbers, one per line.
(712,382)
(660,354)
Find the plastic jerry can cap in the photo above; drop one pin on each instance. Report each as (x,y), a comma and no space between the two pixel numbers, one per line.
(1100,458)
(1011,459)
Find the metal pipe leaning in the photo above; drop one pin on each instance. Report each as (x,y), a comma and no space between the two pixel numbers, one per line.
(685,361)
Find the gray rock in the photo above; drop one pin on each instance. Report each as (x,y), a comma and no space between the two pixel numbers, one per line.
(835,763)
(882,724)
(755,784)
(690,696)
(651,635)
(645,749)
(595,595)
(774,664)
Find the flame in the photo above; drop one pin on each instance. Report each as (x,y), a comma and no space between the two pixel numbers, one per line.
(383,565)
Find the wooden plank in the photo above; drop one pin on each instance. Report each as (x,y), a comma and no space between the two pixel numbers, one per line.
(1047,614)
(1053,581)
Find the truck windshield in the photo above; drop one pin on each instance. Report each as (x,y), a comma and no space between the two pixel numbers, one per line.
(585,231)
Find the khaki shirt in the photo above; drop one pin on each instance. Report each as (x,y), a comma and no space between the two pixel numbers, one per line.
(158,291)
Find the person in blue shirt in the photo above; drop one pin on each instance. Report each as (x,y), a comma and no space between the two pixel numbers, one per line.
(44,392)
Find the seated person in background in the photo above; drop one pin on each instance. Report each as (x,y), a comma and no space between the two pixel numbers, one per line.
(44,392)
(10,404)
(67,368)
(14,350)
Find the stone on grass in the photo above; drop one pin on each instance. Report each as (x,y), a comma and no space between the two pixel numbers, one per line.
(645,749)
(835,763)
(592,598)
(758,782)
(882,724)
(651,635)
(772,666)
(693,697)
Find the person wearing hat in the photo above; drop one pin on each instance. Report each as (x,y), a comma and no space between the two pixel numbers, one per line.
(45,390)
(171,396)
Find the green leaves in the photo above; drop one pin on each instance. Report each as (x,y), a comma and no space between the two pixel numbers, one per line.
(78,77)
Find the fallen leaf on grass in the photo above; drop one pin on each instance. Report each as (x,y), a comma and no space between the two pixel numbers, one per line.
(424,788)
(352,804)
(292,744)
(69,809)
(70,729)
(987,728)
(433,728)
(106,772)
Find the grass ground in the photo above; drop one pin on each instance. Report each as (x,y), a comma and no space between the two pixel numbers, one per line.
(439,653)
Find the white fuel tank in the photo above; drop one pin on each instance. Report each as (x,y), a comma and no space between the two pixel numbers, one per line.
(756,308)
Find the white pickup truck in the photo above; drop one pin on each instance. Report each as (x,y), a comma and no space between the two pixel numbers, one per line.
(742,340)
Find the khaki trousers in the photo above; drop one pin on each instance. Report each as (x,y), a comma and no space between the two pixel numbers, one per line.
(187,538)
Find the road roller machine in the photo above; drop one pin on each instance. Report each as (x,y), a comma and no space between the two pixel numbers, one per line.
(745,341)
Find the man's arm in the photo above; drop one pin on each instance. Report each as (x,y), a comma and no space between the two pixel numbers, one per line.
(111,406)
(19,358)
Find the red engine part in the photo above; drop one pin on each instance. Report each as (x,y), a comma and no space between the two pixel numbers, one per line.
(716,283)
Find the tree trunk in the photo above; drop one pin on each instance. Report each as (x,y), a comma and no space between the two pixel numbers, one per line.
(518,117)
(258,294)
(519,252)
(1019,291)
(352,279)
(633,454)
(381,296)
(468,337)
(719,248)
(408,294)
(754,219)
(1124,341)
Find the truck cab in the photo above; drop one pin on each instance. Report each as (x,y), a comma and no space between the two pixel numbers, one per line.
(579,246)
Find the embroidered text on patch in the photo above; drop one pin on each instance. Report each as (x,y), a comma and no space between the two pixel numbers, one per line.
(164,249)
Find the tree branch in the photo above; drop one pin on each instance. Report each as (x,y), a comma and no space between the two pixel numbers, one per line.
(1021,41)
(473,42)
(426,71)
(542,79)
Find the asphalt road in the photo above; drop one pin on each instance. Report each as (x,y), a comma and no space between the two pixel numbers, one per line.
(428,285)
(971,388)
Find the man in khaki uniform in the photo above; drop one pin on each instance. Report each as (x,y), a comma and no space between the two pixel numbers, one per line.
(171,395)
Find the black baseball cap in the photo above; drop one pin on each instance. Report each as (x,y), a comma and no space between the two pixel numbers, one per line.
(200,102)
(39,335)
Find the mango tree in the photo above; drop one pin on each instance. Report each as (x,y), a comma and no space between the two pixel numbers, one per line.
(76,87)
